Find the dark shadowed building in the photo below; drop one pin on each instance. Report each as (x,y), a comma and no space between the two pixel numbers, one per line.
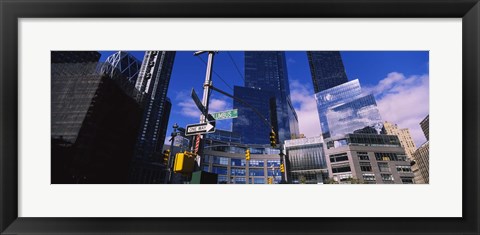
(94,124)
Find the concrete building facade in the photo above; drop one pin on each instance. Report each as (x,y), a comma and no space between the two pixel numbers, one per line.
(368,159)
(404,136)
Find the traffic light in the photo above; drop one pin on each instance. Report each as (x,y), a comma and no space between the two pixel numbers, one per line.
(247,154)
(166,155)
(273,139)
(282,168)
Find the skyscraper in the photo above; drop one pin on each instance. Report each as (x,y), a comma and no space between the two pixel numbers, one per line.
(124,63)
(266,71)
(404,136)
(94,121)
(344,109)
(421,156)
(153,80)
(249,125)
(327,69)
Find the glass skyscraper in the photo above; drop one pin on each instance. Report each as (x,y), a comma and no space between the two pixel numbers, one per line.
(266,71)
(153,80)
(344,109)
(327,69)
(249,125)
(124,63)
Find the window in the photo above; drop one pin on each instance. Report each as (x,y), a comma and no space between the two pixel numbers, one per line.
(406,179)
(256,163)
(404,169)
(240,180)
(386,156)
(368,177)
(363,156)
(387,178)
(220,160)
(238,171)
(256,172)
(383,166)
(205,168)
(219,170)
(365,166)
(339,157)
(341,168)
(238,162)
(275,163)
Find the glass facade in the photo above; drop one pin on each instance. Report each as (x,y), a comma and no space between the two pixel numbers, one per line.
(344,109)
(124,63)
(327,69)
(306,161)
(228,161)
(153,80)
(266,72)
(364,140)
(249,125)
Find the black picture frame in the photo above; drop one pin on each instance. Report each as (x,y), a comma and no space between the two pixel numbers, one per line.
(12,10)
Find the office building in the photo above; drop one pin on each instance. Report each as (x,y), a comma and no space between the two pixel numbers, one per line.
(345,109)
(404,136)
(425,127)
(228,161)
(266,71)
(305,161)
(124,63)
(153,80)
(94,122)
(421,156)
(255,114)
(327,69)
(368,159)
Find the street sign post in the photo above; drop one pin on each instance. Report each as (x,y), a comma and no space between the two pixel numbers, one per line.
(198,103)
(225,114)
(200,128)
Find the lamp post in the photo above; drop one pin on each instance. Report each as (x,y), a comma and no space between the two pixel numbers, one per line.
(170,160)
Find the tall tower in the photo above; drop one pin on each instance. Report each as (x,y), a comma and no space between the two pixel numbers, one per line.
(404,136)
(95,118)
(266,71)
(327,69)
(124,63)
(345,109)
(153,80)
(421,156)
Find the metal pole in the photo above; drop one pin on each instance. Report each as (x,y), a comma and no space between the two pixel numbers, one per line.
(206,89)
(282,161)
(170,160)
(207,84)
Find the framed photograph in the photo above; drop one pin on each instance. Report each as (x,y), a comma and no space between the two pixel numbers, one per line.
(239,117)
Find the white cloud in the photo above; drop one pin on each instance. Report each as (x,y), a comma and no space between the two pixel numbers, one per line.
(188,108)
(404,101)
(306,107)
(217,105)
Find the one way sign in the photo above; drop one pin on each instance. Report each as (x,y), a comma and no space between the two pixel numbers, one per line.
(200,128)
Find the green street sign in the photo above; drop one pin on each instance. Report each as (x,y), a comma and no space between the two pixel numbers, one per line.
(225,114)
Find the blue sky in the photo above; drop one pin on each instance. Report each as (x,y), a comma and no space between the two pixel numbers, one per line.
(398,79)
